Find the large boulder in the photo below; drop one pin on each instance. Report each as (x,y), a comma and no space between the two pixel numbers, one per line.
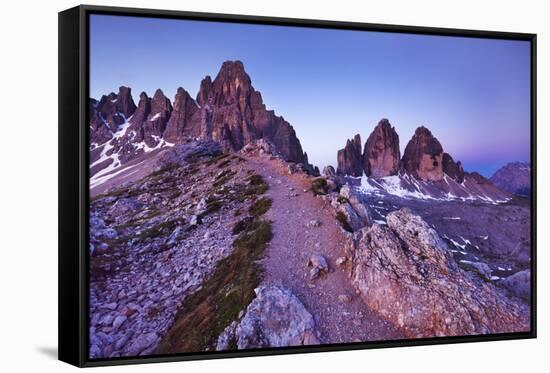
(423,156)
(355,200)
(405,272)
(381,155)
(275,318)
(349,159)
(518,284)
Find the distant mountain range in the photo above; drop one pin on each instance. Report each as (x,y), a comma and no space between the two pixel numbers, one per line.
(424,171)
(227,110)
(514,177)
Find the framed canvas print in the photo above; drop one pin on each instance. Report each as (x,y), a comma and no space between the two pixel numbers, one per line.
(237,186)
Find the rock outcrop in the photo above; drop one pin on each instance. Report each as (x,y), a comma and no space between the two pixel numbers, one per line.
(381,154)
(405,272)
(518,284)
(514,177)
(349,158)
(108,113)
(233,113)
(423,156)
(453,169)
(275,318)
(185,118)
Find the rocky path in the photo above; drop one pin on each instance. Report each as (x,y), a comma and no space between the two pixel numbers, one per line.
(340,314)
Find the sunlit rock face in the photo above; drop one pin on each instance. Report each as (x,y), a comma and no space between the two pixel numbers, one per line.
(381,155)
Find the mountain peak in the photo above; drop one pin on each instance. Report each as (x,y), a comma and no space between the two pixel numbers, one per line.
(514,177)
(423,156)
(381,154)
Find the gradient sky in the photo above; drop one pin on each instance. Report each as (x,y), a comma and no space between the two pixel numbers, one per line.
(473,94)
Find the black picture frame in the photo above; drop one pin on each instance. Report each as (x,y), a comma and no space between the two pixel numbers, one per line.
(74,194)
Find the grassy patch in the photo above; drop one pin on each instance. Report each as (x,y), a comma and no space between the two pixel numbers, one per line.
(159,230)
(254,187)
(216,159)
(319,186)
(224,163)
(260,207)
(206,313)
(223,178)
(341,217)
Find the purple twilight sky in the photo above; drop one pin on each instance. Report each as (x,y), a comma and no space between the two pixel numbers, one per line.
(473,94)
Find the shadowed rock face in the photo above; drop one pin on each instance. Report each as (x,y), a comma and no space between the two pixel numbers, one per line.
(184,120)
(514,178)
(452,168)
(233,113)
(349,158)
(405,272)
(124,102)
(423,157)
(154,127)
(381,155)
(108,113)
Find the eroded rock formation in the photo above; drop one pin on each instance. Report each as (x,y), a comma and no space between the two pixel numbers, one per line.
(381,154)
(453,169)
(275,318)
(423,156)
(228,110)
(349,158)
(405,272)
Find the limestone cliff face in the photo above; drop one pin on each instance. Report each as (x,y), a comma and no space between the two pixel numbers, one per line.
(233,113)
(184,121)
(381,155)
(405,272)
(227,110)
(423,156)
(349,158)
(453,169)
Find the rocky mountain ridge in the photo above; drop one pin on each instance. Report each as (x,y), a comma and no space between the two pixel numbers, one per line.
(227,110)
(424,171)
(515,177)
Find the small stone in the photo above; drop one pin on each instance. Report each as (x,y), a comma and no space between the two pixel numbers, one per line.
(142,342)
(108,306)
(118,321)
(344,298)
(340,260)
(319,265)
(313,223)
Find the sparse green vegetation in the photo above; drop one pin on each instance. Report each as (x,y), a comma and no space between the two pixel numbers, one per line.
(159,230)
(260,207)
(319,186)
(224,177)
(217,158)
(206,313)
(224,163)
(342,199)
(341,217)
